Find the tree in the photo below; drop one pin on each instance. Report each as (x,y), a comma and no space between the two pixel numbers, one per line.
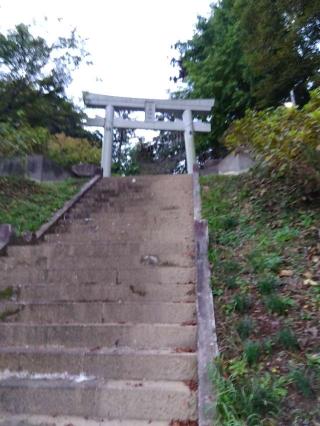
(212,66)
(123,161)
(33,79)
(251,54)
(280,42)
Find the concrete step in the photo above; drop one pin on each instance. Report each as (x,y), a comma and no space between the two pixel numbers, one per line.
(111,400)
(142,292)
(103,249)
(111,364)
(94,205)
(139,226)
(147,259)
(22,275)
(94,233)
(98,312)
(137,336)
(34,420)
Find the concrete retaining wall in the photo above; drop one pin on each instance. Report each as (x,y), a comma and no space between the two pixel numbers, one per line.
(35,167)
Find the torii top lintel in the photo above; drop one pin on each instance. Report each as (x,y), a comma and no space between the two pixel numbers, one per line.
(138,104)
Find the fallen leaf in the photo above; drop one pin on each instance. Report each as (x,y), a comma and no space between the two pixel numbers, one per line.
(308,274)
(285,273)
(310,282)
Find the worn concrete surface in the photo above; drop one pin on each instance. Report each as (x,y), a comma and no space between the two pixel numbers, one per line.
(108,298)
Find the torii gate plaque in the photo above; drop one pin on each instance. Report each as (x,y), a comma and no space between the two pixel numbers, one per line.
(181,108)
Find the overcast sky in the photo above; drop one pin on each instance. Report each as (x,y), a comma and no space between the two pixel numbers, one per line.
(129,40)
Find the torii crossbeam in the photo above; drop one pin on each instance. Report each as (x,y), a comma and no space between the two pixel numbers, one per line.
(179,107)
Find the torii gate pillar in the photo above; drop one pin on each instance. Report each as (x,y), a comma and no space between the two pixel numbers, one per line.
(189,140)
(106,155)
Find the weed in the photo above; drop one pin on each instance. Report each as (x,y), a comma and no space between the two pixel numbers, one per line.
(245,327)
(267,345)
(6,293)
(267,284)
(242,303)
(278,305)
(286,234)
(262,262)
(252,351)
(302,382)
(8,313)
(230,222)
(231,282)
(229,267)
(238,367)
(245,400)
(287,339)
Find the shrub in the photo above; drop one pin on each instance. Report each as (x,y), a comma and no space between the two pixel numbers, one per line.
(67,151)
(286,140)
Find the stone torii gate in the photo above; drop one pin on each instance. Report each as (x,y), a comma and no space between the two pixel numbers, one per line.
(181,108)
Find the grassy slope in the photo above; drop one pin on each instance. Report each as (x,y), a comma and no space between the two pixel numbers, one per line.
(265,256)
(27,205)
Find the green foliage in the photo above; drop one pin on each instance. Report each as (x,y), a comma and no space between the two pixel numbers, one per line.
(33,79)
(242,303)
(267,284)
(22,140)
(274,230)
(286,140)
(67,151)
(264,262)
(6,293)
(278,304)
(229,266)
(246,400)
(245,327)
(231,282)
(251,54)
(212,65)
(280,45)
(252,351)
(302,382)
(287,339)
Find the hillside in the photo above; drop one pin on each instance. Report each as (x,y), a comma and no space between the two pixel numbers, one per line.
(27,205)
(265,258)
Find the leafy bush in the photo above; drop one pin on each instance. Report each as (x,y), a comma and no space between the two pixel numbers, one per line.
(67,151)
(22,140)
(286,140)
(64,150)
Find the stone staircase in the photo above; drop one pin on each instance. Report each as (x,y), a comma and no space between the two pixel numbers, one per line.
(98,322)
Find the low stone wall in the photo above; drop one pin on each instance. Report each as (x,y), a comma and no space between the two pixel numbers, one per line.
(35,167)
(233,164)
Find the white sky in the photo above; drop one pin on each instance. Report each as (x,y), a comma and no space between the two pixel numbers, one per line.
(129,40)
